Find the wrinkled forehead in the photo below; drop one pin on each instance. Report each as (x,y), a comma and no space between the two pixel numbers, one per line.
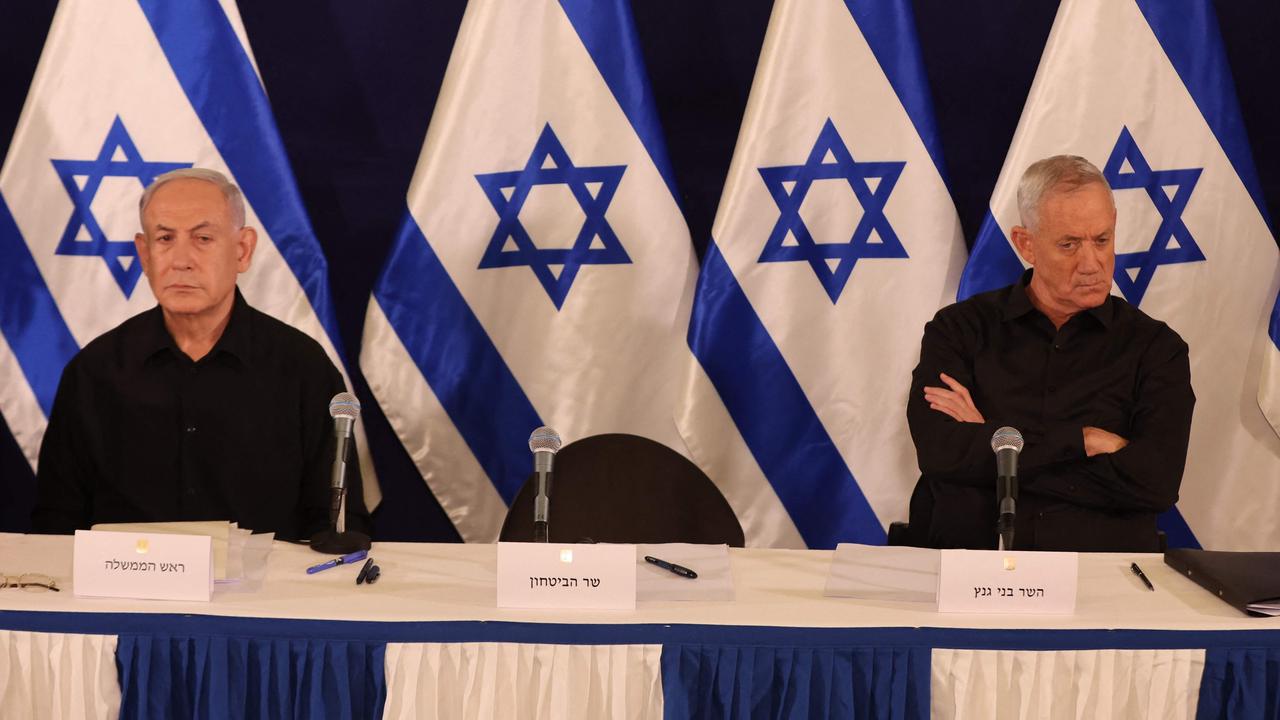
(187,201)
(1091,206)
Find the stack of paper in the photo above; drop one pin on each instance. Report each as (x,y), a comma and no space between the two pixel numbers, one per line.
(239,555)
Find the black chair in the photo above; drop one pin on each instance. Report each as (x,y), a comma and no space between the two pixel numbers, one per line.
(626,489)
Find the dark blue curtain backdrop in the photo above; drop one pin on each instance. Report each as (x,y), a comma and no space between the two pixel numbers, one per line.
(353,85)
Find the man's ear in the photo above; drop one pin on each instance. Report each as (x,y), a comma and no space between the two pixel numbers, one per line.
(1022,242)
(140,247)
(246,243)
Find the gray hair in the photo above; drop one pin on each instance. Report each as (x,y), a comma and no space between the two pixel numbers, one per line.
(1060,173)
(235,199)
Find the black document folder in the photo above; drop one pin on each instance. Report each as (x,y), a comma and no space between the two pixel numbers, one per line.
(1248,581)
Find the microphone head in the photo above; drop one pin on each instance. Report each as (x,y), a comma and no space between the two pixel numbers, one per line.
(544,439)
(1006,438)
(344,405)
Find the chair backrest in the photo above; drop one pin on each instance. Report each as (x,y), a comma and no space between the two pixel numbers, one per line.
(626,489)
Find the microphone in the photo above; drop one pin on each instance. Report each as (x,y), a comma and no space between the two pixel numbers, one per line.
(344,408)
(1006,444)
(543,443)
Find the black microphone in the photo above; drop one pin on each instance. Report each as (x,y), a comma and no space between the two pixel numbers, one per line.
(543,443)
(1006,444)
(344,408)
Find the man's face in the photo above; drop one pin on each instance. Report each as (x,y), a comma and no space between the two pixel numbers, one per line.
(1073,250)
(191,250)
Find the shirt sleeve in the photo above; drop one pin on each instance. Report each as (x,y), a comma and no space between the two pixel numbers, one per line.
(946,448)
(62,485)
(955,451)
(1145,474)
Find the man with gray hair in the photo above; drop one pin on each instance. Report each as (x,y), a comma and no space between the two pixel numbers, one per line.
(201,408)
(1100,391)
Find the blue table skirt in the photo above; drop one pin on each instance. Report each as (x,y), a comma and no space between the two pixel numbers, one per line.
(199,666)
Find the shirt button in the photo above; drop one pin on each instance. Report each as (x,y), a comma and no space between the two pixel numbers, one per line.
(191,428)
(1057,347)
(1051,388)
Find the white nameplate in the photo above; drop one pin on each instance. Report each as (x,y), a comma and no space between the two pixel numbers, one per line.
(990,581)
(550,575)
(143,566)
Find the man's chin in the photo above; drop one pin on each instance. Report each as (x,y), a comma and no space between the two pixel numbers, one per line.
(1093,295)
(184,303)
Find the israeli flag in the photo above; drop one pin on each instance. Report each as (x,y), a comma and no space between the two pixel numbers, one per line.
(1142,89)
(835,242)
(127,90)
(543,272)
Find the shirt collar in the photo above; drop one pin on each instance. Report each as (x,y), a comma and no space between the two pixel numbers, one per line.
(235,341)
(1018,303)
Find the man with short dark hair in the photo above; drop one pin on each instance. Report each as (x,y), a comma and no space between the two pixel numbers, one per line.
(1100,391)
(201,408)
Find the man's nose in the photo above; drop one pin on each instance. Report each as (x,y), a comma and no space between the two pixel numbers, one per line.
(183,254)
(1090,258)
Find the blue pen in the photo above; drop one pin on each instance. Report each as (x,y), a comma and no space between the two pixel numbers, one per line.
(356,556)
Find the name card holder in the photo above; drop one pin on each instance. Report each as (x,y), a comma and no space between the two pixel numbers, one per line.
(142,566)
(990,581)
(550,575)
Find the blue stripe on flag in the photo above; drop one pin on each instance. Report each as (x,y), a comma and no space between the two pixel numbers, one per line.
(608,32)
(29,317)
(1177,531)
(1188,32)
(773,415)
(993,264)
(1274,329)
(890,31)
(217,77)
(458,359)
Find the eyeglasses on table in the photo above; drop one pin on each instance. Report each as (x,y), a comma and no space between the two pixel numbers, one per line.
(29,582)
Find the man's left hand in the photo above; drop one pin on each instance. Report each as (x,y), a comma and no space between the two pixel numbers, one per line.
(955,401)
(1098,441)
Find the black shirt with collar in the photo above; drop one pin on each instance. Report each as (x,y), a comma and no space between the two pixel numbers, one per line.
(1111,367)
(141,433)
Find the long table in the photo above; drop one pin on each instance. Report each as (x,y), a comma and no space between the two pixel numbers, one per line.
(428,641)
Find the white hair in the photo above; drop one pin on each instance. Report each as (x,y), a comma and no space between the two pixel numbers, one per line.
(1060,173)
(235,199)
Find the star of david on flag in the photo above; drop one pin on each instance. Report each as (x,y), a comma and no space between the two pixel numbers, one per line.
(593,187)
(119,157)
(873,237)
(1170,191)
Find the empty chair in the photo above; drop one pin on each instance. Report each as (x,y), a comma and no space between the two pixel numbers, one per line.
(626,489)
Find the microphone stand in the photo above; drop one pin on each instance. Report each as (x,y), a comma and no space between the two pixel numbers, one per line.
(541,508)
(1007,492)
(337,539)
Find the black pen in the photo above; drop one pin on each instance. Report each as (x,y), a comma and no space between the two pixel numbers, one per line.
(680,570)
(1141,576)
(364,572)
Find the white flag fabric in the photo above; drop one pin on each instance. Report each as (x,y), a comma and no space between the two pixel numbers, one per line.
(126,90)
(1142,89)
(543,272)
(835,242)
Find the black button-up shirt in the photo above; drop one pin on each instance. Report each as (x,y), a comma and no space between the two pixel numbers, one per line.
(141,433)
(1111,367)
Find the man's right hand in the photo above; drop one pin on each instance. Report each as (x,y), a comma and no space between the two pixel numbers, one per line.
(1098,441)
